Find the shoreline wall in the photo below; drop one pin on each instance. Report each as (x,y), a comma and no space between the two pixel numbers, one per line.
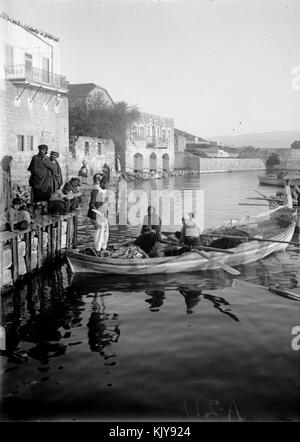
(209,165)
(186,160)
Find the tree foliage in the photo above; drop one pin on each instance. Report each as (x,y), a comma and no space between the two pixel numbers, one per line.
(272,161)
(102,121)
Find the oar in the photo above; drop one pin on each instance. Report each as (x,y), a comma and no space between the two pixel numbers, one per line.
(237,283)
(200,247)
(259,193)
(252,238)
(225,267)
(278,200)
(252,204)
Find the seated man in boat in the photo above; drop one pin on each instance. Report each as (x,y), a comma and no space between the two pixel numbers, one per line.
(191,231)
(150,232)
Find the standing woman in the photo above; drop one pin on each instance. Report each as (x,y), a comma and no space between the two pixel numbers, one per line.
(83,172)
(288,200)
(99,219)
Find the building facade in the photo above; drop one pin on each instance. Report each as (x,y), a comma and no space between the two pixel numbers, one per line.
(87,94)
(150,144)
(33,96)
(95,151)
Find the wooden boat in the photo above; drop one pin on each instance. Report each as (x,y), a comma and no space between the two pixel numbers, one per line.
(243,253)
(274,180)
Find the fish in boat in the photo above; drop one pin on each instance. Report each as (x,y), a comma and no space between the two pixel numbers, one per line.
(244,253)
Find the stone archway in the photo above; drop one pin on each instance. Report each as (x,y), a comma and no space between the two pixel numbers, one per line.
(138,162)
(166,162)
(153,162)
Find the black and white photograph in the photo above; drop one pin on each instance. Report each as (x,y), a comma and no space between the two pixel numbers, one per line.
(149,213)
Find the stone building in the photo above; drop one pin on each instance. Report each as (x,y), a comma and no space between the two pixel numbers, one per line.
(88,93)
(150,144)
(95,151)
(33,96)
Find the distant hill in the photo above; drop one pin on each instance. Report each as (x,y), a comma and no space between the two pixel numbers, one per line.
(266,140)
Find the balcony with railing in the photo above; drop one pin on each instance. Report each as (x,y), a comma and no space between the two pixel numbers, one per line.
(22,74)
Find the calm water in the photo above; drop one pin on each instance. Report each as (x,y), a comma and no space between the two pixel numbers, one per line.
(182,347)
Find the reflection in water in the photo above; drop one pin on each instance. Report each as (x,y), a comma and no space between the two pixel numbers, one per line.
(103,328)
(156,299)
(42,314)
(192,298)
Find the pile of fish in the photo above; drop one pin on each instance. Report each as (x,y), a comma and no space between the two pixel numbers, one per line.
(129,252)
(123,252)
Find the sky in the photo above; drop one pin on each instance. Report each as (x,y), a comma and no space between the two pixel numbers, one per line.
(218,67)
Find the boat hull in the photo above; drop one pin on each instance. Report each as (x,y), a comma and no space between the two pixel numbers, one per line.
(266,180)
(243,254)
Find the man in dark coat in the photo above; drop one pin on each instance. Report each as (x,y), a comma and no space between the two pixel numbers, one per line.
(57,175)
(41,178)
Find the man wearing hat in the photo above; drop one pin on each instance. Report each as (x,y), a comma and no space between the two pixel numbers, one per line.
(73,185)
(41,178)
(61,201)
(57,175)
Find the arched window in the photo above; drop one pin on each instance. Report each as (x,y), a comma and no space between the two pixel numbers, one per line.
(138,162)
(134,132)
(166,162)
(142,132)
(169,136)
(153,162)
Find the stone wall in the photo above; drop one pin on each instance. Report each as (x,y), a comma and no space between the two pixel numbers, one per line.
(47,124)
(100,151)
(292,161)
(229,164)
(186,160)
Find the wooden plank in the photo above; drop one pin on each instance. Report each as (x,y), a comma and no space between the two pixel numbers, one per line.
(1,265)
(58,239)
(40,247)
(68,235)
(75,228)
(28,240)
(15,258)
(50,243)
